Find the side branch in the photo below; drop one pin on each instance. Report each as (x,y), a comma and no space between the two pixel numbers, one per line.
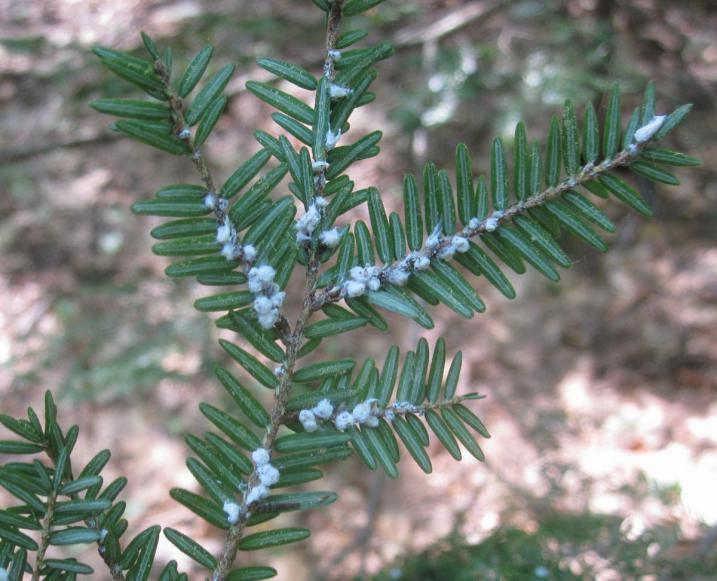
(443,247)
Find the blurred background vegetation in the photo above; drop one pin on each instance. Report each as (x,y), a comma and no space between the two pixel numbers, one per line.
(601,390)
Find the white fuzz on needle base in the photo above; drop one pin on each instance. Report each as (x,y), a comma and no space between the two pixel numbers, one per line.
(344,421)
(255,494)
(308,420)
(647,131)
(210,200)
(330,238)
(332,138)
(268,475)
(323,409)
(260,456)
(338,91)
(231,509)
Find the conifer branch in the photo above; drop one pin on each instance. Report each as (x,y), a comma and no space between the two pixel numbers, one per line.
(337,412)
(438,246)
(293,343)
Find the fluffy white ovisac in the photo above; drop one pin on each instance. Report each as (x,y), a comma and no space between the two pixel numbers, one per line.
(647,131)
(308,420)
(362,278)
(332,138)
(267,296)
(256,494)
(344,420)
(320,165)
(324,409)
(362,411)
(260,277)
(268,474)
(210,200)
(306,225)
(330,238)
(337,91)
(493,221)
(260,456)
(231,509)
(224,231)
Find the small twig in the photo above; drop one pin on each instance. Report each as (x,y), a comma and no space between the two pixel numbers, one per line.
(45,535)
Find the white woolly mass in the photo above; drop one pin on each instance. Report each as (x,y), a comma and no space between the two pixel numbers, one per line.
(404,406)
(360,278)
(389,416)
(231,251)
(184,134)
(279,371)
(337,91)
(474,223)
(268,475)
(278,299)
(492,222)
(309,221)
(647,131)
(334,55)
(262,305)
(360,274)
(362,412)
(398,276)
(447,252)
(323,409)
(344,420)
(210,200)
(372,422)
(249,252)
(421,262)
(433,241)
(267,297)
(320,165)
(332,138)
(330,238)
(308,420)
(460,243)
(225,232)
(354,288)
(260,456)
(263,273)
(231,509)
(255,494)
(103,535)
(306,225)
(268,320)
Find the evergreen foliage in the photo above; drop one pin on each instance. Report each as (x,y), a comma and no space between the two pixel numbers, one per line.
(246,245)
